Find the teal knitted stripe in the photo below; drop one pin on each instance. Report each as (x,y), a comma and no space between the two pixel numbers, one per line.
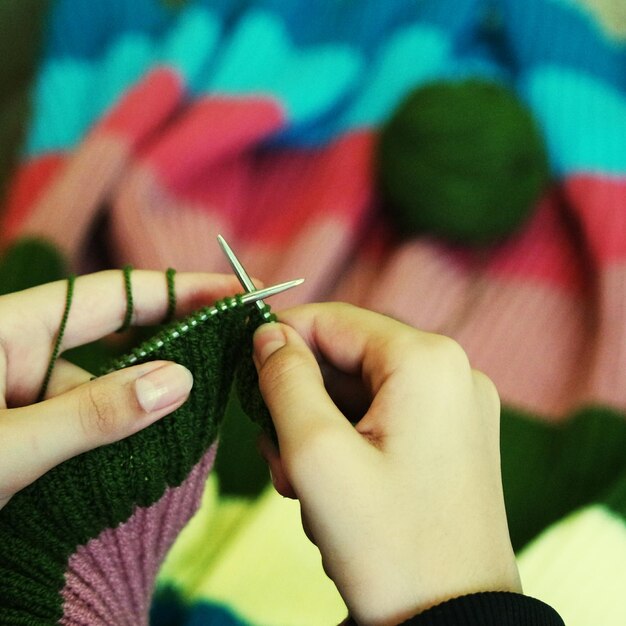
(44,524)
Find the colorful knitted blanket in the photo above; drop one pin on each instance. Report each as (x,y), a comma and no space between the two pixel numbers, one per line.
(152,125)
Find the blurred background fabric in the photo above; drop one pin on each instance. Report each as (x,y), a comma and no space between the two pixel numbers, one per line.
(136,131)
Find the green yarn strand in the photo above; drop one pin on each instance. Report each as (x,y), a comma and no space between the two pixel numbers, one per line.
(128,287)
(171,294)
(57,344)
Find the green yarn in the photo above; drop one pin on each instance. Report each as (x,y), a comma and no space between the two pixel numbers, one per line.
(463,160)
(128,288)
(252,403)
(239,435)
(170,273)
(239,440)
(46,522)
(59,338)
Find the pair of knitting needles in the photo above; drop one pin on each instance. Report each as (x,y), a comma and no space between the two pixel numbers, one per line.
(252,293)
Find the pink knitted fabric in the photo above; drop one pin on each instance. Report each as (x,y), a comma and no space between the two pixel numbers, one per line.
(110,580)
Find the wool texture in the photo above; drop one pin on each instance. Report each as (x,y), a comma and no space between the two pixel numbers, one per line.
(87,552)
(28,263)
(461,160)
(155,126)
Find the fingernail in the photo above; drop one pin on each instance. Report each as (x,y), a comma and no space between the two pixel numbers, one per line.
(267,339)
(163,387)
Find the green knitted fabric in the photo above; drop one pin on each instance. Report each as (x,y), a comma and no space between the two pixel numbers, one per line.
(29,262)
(551,470)
(42,526)
(252,403)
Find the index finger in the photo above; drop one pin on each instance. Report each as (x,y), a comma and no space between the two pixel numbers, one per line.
(100,302)
(30,319)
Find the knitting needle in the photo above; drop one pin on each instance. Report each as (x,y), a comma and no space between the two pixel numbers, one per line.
(201,316)
(240,272)
(258,294)
(235,263)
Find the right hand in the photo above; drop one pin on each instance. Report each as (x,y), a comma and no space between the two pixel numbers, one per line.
(406,507)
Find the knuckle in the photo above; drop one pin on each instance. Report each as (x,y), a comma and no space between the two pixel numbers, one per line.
(454,353)
(448,354)
(486,388)
(405,345)
(434,351)
(98,411)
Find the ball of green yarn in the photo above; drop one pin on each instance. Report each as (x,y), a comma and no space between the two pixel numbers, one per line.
(462,160)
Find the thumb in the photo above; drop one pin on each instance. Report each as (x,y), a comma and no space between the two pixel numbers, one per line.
(292,386)
(35,438)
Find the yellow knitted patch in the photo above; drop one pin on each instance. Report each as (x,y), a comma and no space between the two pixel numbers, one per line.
(253,557)
(577,566)
(197,546)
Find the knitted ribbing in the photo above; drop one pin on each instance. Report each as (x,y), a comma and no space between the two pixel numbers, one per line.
(43,525)
(486,609)
(247,385)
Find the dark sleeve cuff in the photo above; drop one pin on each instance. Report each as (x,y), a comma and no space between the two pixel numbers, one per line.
(489,609)
(492,608)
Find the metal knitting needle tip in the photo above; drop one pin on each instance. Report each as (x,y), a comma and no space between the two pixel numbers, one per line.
(258,294)
(246,281)
(240,272)
(242,275)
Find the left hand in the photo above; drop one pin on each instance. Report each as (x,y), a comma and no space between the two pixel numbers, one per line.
(79,413)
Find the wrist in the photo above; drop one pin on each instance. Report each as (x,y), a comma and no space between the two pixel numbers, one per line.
(397,601)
